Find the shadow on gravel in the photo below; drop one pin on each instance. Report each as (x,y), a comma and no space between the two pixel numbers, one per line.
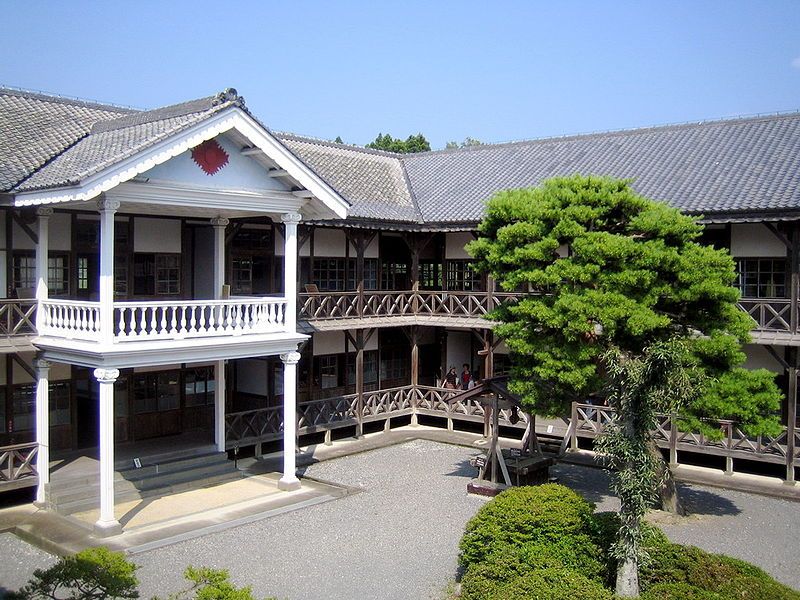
(590,483)
(464,469)
(706,502)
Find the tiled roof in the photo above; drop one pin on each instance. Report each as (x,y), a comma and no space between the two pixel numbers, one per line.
(112,140)
(35,127)
(374,182)
(738,165)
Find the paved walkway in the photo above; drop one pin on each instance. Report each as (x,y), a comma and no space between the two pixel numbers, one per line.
(398,538)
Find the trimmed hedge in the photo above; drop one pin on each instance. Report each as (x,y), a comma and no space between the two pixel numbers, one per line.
(536,584)
(723,575)
(522,516)
(678,591)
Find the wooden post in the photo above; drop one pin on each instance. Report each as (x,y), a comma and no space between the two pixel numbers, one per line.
(673,441)
(574,418)
(795,280)
(791,415)
(413,338)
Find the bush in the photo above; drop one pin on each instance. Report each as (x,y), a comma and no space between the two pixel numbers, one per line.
(678,591)
(723,575)
(524,516)
(535,584)
(91,573)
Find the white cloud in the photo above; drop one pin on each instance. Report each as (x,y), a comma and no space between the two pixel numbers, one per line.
(796,63)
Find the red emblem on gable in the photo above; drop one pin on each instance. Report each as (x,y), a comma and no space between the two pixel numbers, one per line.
(210,156)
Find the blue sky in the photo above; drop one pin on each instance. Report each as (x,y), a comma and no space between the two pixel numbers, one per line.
(496,71)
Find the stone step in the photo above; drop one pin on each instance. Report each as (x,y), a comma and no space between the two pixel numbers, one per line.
(92,500)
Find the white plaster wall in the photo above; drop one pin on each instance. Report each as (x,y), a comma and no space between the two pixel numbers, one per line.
(332,342)
(755,240)
(241,172)
(458,349)
(59,238)
(58,371)
(455,242)
(759,358)
(3,215)
(251,376)
(327,242)
(502,348)
(156,235)
(204,262)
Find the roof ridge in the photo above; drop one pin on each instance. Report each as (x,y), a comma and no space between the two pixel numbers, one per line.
(612,132)
(323,142)
(228,97)
(64,99)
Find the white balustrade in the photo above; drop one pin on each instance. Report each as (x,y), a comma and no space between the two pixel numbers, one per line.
(137,321)
(70,319)
(167,320)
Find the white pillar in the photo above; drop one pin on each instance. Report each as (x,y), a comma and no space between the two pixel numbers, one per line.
(219,405)
(219,225)
(289,481)
(42,251)
(107,524)
(290,221)
(107,209)
(42,430)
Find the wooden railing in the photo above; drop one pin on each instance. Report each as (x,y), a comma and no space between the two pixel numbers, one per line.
(173,319)
(351,305)
(17,317)
(588,421)
(769,314)
(17,462)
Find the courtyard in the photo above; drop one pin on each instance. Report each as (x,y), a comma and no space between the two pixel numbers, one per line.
(398,536)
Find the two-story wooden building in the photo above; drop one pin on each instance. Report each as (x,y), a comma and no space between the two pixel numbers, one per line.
(163,268)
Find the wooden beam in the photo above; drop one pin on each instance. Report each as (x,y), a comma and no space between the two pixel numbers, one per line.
(252,152)
(779,234)
(24,226)
(777,357)
(28,369)
(277,173)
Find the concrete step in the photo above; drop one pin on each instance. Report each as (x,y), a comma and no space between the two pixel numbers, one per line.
(159,475)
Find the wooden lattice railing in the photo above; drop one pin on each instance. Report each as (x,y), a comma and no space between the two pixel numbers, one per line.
(17,317)
(586,421)
(17,462)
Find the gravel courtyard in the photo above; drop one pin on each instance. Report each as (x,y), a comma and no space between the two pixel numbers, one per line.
(398,538)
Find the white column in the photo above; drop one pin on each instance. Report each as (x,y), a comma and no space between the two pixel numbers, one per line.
(219,225)
(107,524)
(290,221)
(42,430)
(42,250)
(107,209)
(219,405)
(289,481)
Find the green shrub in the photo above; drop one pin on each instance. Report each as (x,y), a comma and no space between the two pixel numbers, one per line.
(726,576)
(535,584)
(678,591)
(525,515)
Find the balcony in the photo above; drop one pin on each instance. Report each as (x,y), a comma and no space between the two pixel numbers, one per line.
(165,331)
(17,325)
(341,310)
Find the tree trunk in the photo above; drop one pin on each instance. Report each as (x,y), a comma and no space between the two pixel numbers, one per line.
(667,491)
(628,578)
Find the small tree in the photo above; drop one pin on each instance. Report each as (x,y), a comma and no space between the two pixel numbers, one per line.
(413,143)
(92,574)
(612,276)
(211,584)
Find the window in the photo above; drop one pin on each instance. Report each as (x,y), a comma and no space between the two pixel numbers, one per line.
(253,239)
(23,403)
(761,277)
(328,371)
(370,367)
(329,274)
(156,392)
(156,274)
(394,364)
(83,273)
(430,275)
(24,273)
(199,386)
(370,274)
(461,276)
(394,276)
(249,274)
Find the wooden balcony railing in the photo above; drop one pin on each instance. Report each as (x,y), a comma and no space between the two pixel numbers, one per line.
(438,303)
(769,314)
(17,317)
(167,320)
(17,462)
